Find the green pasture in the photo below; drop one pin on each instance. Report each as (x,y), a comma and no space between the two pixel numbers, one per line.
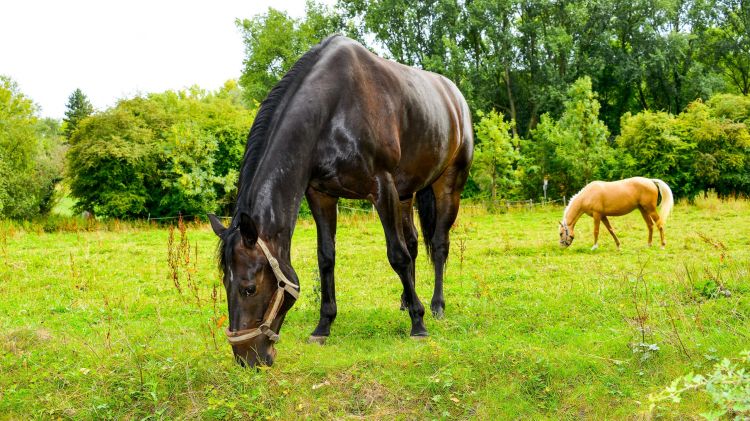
(93,326)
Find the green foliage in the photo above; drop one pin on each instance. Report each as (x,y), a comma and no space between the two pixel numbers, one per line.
(520,57)
(728,386)
(495,156)
(571,151)
(706,147)
(721,158)
(273,43)
(30,156)
(653,149)
(78,108)
(160,155)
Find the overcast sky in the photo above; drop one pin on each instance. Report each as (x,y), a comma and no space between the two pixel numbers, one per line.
(112,50)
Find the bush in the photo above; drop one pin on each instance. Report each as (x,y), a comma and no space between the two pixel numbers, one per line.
(160,155)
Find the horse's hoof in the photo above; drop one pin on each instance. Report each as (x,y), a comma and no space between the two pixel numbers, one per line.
(420,336)
(438,313)
(320,340)
(596,246)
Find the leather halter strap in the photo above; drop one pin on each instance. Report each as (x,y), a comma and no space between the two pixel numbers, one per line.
(284,285)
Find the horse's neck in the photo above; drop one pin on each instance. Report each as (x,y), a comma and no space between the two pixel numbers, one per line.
(572,212)
(276,193)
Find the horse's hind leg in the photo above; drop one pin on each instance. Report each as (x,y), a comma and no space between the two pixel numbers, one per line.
(411,238)
(611,231)
(323,208)
(388,206)
(659,224)
(446,195)
(649,224)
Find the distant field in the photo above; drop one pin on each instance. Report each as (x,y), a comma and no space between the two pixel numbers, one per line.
(93,327)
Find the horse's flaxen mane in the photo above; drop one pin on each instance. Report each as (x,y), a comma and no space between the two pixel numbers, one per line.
(570,202)
(258,138)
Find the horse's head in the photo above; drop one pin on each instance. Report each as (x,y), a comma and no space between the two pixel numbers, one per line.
(258,300)
(566,234)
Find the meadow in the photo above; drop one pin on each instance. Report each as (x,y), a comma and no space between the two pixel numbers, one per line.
(116,321)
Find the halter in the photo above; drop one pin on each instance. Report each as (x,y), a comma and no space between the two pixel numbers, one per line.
(284,284)
(567,233)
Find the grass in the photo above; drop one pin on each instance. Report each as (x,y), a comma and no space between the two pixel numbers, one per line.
(92,326)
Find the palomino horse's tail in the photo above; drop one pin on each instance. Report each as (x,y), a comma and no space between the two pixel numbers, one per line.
(667,200)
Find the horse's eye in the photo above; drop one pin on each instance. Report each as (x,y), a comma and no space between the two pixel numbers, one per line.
(248,291)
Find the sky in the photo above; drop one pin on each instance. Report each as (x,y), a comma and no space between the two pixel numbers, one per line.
(113,50)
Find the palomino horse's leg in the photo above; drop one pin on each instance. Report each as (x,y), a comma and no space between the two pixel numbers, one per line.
(388,207)
(411,238)
(649,224)
(659,224)
(597,218)
(611,231)
(323,208)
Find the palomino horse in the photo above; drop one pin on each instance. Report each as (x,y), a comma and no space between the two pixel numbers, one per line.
(600,199)
(341,123)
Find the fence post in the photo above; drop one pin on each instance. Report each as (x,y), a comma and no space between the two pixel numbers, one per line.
(564,203)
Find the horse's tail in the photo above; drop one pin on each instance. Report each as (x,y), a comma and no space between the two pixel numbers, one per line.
(667,200)
(427,208)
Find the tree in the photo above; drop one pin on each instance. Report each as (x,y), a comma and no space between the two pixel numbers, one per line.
(273,43)
(30,156)
(78,108)
(495,156)
(571,151)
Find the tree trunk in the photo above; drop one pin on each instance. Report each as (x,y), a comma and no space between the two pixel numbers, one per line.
(511,100)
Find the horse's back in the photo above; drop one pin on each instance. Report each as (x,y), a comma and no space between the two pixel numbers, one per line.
(619,197)
(384,116)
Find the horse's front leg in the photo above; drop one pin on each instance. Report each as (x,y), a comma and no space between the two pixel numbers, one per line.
(323,208)
(389,209)
(411,238)
(611,230)
(597,218)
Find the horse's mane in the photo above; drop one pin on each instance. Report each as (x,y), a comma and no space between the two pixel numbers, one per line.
(258,139)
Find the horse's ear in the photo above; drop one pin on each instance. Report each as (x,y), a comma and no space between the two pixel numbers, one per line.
(216,224)
(248,230)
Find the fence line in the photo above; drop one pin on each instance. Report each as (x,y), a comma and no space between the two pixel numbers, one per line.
(528,203)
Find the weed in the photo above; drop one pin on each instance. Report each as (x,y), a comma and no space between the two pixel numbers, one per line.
(728,386)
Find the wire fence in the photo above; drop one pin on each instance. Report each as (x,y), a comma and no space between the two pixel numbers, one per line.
(508,204)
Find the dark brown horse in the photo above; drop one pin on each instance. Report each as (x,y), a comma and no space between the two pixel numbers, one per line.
(341,123)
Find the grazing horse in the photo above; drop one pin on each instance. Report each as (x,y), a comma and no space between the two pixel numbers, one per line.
(342,122)
(600,199)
